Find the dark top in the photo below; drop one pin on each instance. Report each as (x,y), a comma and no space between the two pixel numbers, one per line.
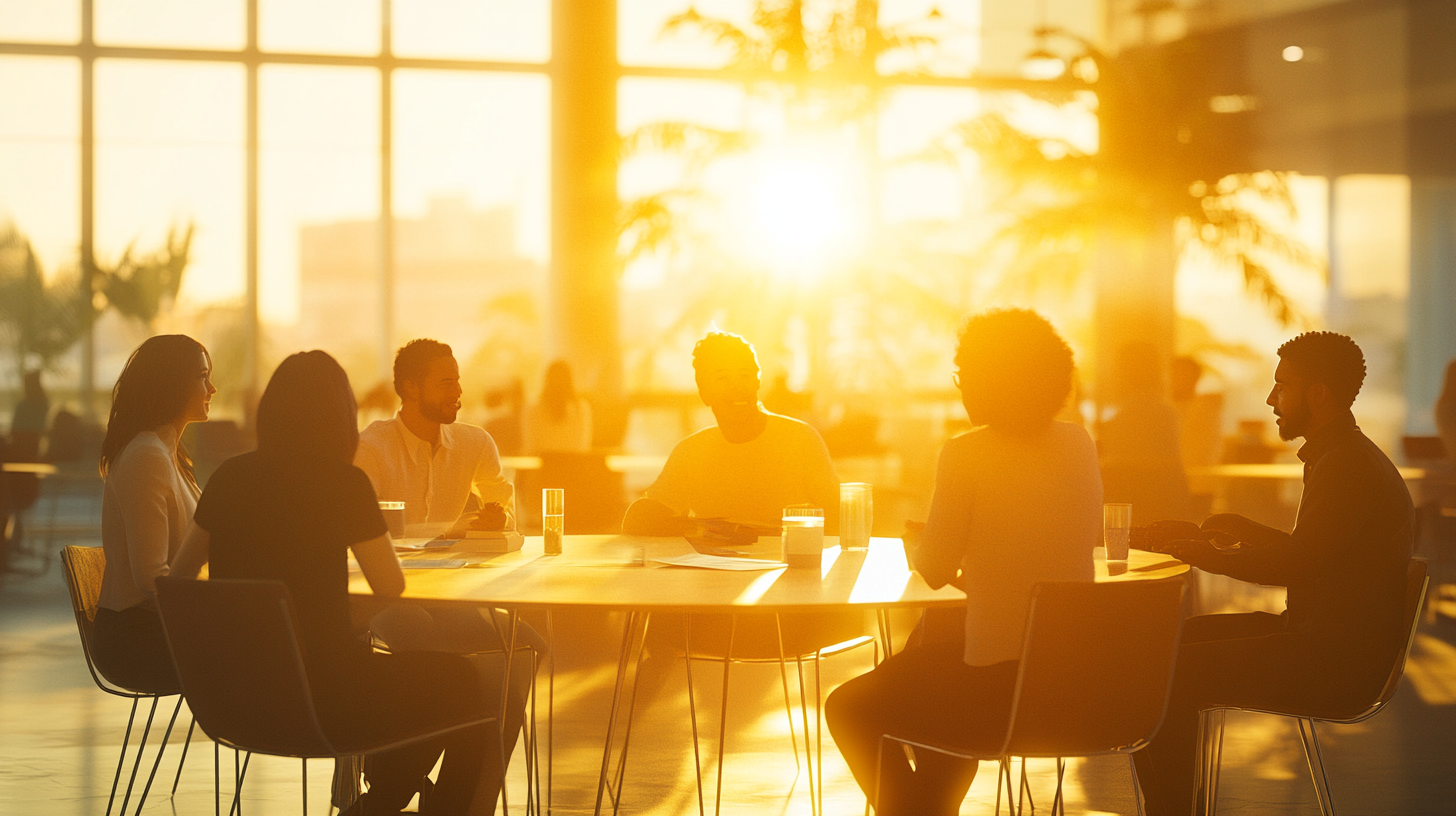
(1345,563)
(291,519)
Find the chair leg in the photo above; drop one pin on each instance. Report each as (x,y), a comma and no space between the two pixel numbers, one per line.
(121,760)
(627,628)
(723,715)
(814,803)
(239,774)
(216,780)
(1025,790)
(1217,768)
(631,712)
(141,748)
(788,706)
(305,786)
(818,729)
(161,749)
(1315,759)
(1059,805)
(183,761)
(692,706)
(1137,788)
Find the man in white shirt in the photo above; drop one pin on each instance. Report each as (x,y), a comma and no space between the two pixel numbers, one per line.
(748,467)
(448,474)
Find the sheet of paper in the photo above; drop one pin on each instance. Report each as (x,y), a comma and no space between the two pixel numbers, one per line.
(718,562)
(420,543)
(432,563)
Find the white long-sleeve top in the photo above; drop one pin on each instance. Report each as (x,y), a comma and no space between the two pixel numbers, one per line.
(146,509)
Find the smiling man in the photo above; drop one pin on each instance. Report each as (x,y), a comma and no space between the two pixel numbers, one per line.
(1344,565)
(748,467)
(448,474)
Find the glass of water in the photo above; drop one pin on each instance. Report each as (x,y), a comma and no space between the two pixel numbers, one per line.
(1116,529)
(393,517)
(553,518)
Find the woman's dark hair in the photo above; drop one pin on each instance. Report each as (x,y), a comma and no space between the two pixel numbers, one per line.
(308,410)
(152,391)
(1015,370)
(558,392)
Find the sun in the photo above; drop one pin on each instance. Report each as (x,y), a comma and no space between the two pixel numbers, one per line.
(800,210)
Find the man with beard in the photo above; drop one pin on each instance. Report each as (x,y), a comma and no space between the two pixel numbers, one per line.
(448,474)
(747,468)
(1344,566)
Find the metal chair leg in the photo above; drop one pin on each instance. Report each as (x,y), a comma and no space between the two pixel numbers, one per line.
(183,761)
(1312,756)
(692,706)
(723,715)
(161,749)
(631,712)
(141,747)
(1137,788)
(804,712)
(305,786)
(121,759)
(628,626)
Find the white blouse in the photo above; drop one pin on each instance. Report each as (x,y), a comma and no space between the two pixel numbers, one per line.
(146,509)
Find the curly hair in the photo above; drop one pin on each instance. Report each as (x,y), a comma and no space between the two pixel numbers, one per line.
(412,361)
(1014,370)
(717,345)
(1329,358)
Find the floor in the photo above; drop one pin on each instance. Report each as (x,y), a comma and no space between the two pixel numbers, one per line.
(59,735)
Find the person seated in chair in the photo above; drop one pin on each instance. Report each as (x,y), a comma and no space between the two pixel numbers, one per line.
(448,474)
(292,511)
(743,471)
(1331,651)
(748,467)
(1017,501)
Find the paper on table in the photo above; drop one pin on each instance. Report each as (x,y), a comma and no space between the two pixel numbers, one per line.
(420,543)
(718,562)
(432,563)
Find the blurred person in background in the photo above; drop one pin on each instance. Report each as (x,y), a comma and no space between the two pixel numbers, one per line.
(147,503)
(28,421)
(1446,411)
(504,405)
(561,421)
(1200,416)
(1138,447)
(1018,500)
(292,511)
(1344,566)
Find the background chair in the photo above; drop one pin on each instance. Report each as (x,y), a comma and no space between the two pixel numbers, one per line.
(84,567)
(1213,719)
(1096,669)
(236,647)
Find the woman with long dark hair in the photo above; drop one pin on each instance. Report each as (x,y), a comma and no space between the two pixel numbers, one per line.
(561,422)
(147,503)
(292,511)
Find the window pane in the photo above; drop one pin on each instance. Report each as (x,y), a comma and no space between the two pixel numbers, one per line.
(319,194)
(40,21)
(471,172)
(323,26)
(181,23)
(954,24)
(169,155)
(40,171)
(641,41)
(473,29)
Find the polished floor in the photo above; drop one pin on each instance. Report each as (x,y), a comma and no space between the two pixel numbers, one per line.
(59,735)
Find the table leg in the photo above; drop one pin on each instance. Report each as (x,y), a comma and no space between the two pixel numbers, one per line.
(723,714)
(550,708)
(624,660)
(631,712)
(692,706)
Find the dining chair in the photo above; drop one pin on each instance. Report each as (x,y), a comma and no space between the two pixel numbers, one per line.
(1211,744)
(1094,677)
(83,568)
(238,656)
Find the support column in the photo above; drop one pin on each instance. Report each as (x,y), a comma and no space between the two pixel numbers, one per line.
(386,195)
(1431,341)
(583,325)
(252,325)
(88,206)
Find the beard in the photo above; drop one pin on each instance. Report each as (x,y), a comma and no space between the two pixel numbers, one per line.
(442,412)
(1293,424)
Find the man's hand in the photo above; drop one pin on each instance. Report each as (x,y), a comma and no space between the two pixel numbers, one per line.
(1156,536)
(490,518)
(1201,554)
(1231,524)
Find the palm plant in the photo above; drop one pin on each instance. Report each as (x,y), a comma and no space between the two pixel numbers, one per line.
(41,320)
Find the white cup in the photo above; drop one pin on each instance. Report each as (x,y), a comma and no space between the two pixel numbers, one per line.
(393,517)
(803,536)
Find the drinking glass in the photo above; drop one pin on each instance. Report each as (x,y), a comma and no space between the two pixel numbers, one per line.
(553,518)
(856,515)
(1116,529)
(393,517)
(803,536)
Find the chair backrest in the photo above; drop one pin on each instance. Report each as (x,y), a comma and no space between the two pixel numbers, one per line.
(83,568)
(1415,598)
(1096,667)
(236,648)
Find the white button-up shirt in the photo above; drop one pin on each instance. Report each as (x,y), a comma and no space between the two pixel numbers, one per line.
(437,483)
